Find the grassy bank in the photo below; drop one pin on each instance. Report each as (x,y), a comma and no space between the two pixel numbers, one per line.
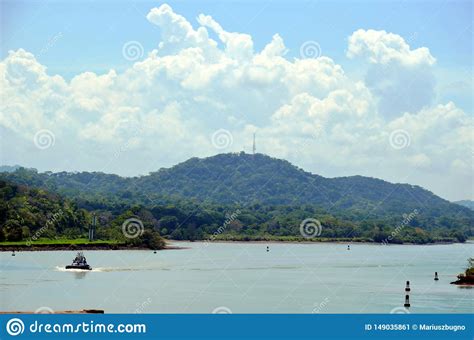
(76,244)
(60,244)
(46,241)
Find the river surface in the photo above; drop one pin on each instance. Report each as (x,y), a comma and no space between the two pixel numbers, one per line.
(242,278)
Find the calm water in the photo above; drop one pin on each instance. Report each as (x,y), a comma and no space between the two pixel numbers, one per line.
(242,277)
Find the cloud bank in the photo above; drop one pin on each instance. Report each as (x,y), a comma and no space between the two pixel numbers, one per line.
(166,106)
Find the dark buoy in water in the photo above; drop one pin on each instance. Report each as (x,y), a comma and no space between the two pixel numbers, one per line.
(436,276)
(268,248)
(348,247)
(154,252)
(407,288)
(407,301)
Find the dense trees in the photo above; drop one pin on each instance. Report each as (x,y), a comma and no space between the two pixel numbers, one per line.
(229,196)
(30,214)
(33,213)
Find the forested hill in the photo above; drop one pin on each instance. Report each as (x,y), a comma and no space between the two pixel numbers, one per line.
(466,203)
(245,179)
(25,212)
(30,214)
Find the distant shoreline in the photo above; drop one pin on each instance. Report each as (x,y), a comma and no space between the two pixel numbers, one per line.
(320,241)
(68,247)
(108,246)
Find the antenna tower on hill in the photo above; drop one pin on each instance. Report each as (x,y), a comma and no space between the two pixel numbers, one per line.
(254,148)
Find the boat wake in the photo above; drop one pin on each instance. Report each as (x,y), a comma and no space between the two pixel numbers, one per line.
(63,269)
(106,269)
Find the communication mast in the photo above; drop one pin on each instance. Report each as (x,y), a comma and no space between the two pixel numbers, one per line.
(254,148)
(92,227)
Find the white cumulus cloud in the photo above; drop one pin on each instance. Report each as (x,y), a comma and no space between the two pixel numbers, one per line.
(401,77)
(381,47)
(164,108)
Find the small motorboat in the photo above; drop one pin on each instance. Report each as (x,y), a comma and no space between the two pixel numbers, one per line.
(79,262)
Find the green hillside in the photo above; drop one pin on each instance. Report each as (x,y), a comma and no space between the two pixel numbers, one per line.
(32,216)
(191,200)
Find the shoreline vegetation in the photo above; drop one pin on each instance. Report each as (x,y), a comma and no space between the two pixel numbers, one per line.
(64,210)
(466,278)
(77,244)
(84,244)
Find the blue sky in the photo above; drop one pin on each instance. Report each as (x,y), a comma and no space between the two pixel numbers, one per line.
(95,31)
(385,66)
